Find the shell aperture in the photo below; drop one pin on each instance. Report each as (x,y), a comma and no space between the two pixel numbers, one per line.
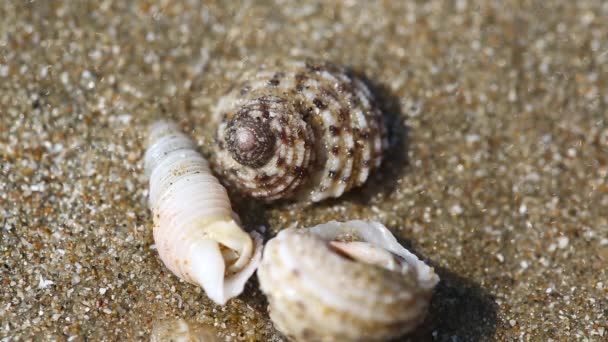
(317,294)
(299,129)
(197,234)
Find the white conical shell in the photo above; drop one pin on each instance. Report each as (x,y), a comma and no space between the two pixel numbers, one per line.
(197,234)
(317,294)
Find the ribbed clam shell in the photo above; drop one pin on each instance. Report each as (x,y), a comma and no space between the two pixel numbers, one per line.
(197,234)
(317,294)
(305,129)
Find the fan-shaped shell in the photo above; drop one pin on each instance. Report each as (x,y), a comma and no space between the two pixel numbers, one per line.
(321,292)
(304,129)
(197,234)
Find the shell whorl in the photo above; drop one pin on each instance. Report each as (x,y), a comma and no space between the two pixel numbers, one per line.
(308,130)
(317,292)
(197,234)
(250,142)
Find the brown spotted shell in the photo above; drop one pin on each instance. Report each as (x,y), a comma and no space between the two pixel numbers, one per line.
(303,129)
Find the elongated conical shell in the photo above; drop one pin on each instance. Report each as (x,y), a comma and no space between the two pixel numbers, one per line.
(318,292)
(197,234)
(304,129)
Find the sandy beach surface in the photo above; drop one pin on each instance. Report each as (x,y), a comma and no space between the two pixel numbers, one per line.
(497,173)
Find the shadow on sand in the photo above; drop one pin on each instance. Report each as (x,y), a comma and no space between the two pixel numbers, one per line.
(461,310)
(395,160)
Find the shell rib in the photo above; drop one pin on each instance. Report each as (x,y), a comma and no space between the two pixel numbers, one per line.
(303,129)
(197,234)
(364,287)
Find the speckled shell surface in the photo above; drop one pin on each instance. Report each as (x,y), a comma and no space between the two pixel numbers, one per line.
(197,234)
(304,129)
(317,294)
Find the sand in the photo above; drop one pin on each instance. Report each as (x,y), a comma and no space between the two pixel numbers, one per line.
(497,173)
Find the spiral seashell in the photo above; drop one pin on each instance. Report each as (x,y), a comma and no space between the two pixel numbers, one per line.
(348,281)
(197,234)
(302,129)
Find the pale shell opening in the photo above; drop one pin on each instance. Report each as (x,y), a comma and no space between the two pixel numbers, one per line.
(370,254)
(377,234)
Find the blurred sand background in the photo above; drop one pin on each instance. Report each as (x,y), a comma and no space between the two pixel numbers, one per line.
(497,173)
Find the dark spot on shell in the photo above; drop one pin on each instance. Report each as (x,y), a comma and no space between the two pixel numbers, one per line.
(306,113)
(350,153)
(332,174)
(344,179)
(342,114)
(312,66)
(299,171)
(274,82)
(280,161)
(262,177)
(300,79)
(319,103)
(335,150)
(334,130)
(264,109)
(365,134)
